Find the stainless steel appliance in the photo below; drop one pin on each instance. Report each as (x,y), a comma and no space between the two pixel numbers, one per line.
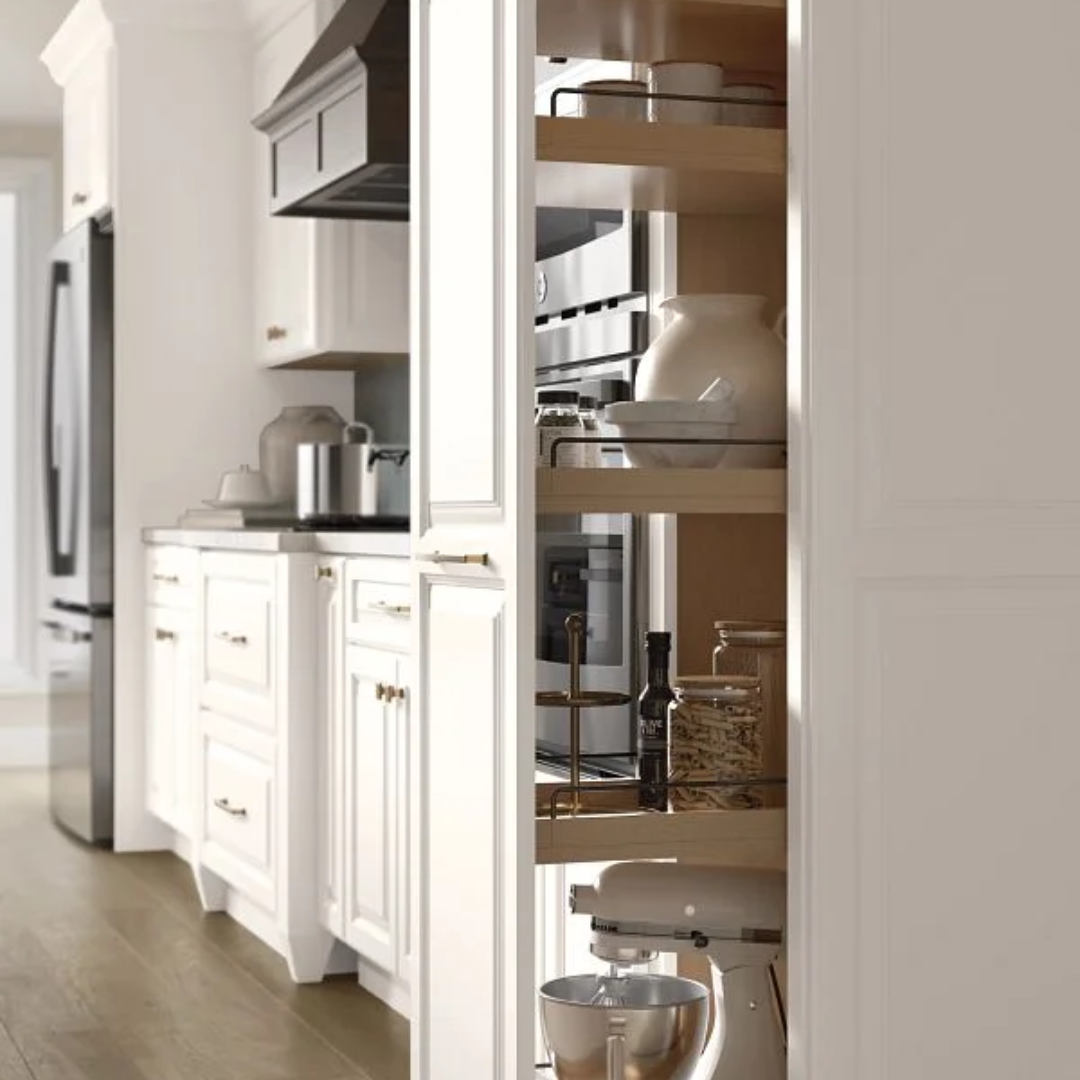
(590,311)
(355,480)
(339,130)
(78,435)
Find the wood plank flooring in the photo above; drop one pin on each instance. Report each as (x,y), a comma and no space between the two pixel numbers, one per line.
(109,970)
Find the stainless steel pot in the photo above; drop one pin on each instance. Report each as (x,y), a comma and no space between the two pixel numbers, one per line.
(336,480)
(652,1029)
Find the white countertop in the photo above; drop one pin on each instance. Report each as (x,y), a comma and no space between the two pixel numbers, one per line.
(276,539)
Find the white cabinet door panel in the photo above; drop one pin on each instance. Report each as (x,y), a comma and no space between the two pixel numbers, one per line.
(936,519)
(472,702)
(370,817)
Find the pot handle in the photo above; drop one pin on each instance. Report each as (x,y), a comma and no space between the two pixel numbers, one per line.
(616,1048)
(359,433)
(780,326)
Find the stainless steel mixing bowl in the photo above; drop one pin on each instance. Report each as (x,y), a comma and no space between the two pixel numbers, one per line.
(656,1031)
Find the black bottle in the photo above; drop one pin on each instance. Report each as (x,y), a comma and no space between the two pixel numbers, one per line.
(653,724)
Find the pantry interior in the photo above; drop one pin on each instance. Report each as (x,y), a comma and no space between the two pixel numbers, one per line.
(722,194)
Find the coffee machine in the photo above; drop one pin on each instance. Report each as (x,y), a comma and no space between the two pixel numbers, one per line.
(734,917)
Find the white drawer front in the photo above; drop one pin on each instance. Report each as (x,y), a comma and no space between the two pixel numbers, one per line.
(238,649)
(172,576)
(238,819)
(378,602)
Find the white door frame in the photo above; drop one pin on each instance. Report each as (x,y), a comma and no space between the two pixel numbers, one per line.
(32,182)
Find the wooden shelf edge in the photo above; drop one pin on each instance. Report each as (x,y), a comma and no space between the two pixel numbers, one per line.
(738,838)
(661,491)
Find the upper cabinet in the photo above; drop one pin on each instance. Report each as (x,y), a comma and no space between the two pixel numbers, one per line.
(327,292)
(88,145)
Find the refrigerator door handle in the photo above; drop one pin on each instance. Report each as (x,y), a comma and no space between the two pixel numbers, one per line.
(61,563)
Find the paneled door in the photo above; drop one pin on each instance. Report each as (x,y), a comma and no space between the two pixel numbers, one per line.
(473,538)
(936,528)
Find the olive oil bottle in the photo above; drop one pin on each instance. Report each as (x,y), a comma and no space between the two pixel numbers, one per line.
(653,742)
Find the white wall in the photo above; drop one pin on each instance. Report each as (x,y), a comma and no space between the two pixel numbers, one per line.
(8,440)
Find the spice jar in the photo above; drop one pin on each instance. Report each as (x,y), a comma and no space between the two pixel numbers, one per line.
(558,418)
(759,650)
(590,452)
(716,734)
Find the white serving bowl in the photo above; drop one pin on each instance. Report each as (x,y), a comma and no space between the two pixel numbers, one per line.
(673,420)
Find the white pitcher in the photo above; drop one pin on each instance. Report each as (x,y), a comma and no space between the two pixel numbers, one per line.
(723,334)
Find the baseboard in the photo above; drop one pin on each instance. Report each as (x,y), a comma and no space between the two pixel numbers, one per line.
(386,988)
(24,747)
(254,919)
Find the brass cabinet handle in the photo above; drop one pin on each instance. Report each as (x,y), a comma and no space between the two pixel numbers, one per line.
(398,693)
(167,579)
(382,692)
(232,811)
(231,639)
(439,558)
(164,635)
(386,608)
(324,573)
(276,333)
(79,198)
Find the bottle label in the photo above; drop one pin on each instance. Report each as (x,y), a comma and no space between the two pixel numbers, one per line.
(569,455)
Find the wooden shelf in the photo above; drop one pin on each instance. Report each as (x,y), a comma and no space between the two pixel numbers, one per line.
(751,838)
(661,491)
(686,168)
(748,35)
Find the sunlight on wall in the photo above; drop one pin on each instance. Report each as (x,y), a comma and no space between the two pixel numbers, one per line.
(8,428)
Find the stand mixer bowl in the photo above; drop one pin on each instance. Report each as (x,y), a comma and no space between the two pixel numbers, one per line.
(655,1031)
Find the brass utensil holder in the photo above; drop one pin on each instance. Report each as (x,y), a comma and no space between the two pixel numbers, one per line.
(575,699)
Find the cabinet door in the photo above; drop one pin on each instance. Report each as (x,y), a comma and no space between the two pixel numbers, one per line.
(87,139)
(330,691)
(473,694)
(171,742)
(370,804)
(403,734)
(284,247)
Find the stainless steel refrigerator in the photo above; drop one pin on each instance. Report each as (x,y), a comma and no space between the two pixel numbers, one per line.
(78,433)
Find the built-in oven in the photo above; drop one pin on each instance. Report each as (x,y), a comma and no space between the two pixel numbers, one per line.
(591,308)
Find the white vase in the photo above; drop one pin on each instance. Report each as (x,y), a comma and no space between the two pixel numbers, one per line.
(295,424)
(722,334)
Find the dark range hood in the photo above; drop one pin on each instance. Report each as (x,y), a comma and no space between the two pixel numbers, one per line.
(339,130)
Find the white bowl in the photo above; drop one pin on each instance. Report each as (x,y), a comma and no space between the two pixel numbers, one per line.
(244,486)
(673,420)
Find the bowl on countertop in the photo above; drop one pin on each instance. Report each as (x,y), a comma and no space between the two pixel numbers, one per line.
(673,420)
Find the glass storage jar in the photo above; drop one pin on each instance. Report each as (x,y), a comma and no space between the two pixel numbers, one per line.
(557,417)
(759,650)
(715,725)
(590,452)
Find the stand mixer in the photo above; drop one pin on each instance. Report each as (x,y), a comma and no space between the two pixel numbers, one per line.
(735,917)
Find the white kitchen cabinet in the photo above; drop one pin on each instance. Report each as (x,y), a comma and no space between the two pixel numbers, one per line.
(329,291)
(934,542)
(170,716)
(87,140)
(330,692)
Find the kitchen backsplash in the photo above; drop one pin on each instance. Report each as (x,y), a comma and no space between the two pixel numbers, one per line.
(381,392)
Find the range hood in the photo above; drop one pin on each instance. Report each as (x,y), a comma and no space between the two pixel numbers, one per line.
(339,130)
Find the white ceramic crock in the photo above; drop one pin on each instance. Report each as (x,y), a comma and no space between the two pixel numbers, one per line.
(723,335)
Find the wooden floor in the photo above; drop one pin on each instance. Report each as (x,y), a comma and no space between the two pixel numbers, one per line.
(109,970)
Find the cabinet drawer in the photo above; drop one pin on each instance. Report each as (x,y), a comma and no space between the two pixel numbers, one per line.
(172,576)
(378,602)
(238,813)
(238,640)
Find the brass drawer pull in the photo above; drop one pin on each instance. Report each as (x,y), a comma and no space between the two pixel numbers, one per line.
(167,579)
(324,573)
(231,639)
(276,333)
(164,635)
(382,692)
(439,559)
(397,693)
(384,607)
(232,811)
(79,198)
